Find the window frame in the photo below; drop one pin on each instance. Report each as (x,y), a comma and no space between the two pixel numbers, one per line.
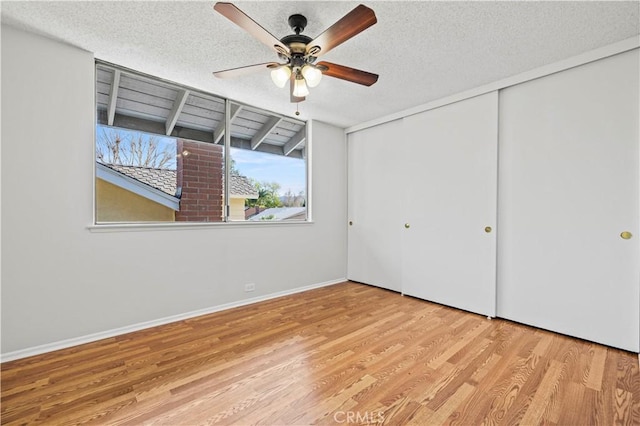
(306,155)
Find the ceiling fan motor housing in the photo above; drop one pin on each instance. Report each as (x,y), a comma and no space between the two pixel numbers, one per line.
(297,43)
(297,23)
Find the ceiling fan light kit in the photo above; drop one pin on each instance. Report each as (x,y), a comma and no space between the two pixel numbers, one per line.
(299,52)
(300,89)
(280,75)
(312,75)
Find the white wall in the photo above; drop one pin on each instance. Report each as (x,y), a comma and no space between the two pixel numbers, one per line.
(60,281)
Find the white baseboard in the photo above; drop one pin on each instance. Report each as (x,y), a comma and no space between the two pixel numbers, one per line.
(67,343)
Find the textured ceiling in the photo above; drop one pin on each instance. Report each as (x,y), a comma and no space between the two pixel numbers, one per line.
(422,51)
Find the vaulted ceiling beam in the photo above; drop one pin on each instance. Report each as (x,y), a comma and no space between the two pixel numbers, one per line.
(178,104)
(294,142)
(264,131)
(218,133)
(113,97)
(151,126)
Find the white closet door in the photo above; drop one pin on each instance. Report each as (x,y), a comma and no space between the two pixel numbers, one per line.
(374,206)
(568,189)
(450,183)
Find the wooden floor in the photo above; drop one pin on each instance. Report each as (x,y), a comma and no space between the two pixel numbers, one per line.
(344,354)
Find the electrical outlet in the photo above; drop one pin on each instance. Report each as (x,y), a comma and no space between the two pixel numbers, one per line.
(249,287)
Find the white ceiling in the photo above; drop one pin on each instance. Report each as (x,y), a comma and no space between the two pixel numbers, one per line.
(422,51)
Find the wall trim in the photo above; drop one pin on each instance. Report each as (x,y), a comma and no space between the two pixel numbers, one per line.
(89,338)
(572,62)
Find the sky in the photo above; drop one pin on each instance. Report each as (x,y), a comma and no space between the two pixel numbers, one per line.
(288,172)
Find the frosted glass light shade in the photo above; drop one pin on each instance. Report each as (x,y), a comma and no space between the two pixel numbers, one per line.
(300,88)
(312,74)
(281,75)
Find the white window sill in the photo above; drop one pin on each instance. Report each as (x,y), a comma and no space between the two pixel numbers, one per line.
(173,226)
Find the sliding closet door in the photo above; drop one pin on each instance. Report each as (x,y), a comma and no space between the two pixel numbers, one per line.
(450,183)
(568,193)
(374,205)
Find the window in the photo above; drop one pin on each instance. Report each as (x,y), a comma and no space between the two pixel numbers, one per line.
(163,155)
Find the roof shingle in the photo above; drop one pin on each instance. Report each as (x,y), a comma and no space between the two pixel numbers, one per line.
(162,179)
(241,187)
(166,180)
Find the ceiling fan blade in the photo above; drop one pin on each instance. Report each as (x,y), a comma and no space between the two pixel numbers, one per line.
(350,74)
(237,72)
(351,24)
(294,99)
(241,19)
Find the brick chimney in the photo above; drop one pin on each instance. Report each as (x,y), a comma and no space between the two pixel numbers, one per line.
(200,175)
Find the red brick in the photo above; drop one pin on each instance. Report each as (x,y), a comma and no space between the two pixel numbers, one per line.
(200,174)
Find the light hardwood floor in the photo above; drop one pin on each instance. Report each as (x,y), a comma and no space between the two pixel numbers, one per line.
(344,354)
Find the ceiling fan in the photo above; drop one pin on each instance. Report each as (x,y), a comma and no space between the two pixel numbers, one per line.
(299,52)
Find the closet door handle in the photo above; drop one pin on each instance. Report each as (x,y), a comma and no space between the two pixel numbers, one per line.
(626,235)
(487,229)
(406,225)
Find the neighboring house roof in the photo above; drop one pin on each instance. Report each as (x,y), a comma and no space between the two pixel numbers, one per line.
(108,173)
(280,213)
(165,181)
(241,187)
(162,179)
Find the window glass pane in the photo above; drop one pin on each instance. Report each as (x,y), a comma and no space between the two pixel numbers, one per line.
(277,186)
(142,177)
(267,152)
